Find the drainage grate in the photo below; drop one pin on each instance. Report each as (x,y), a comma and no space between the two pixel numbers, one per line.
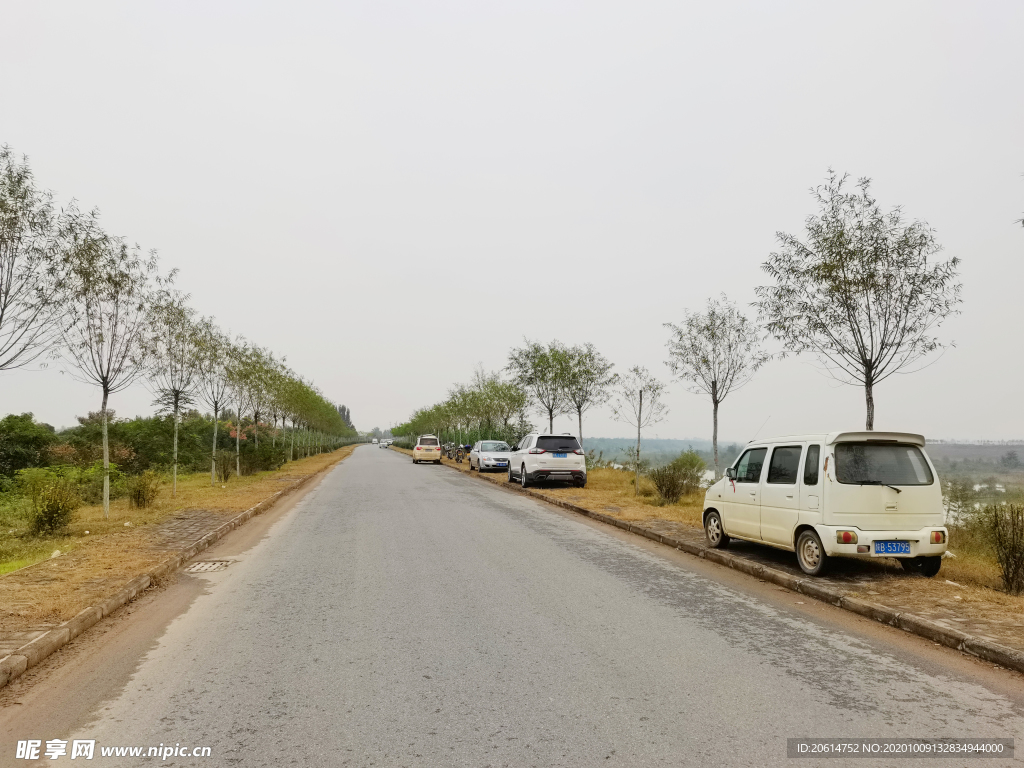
(204,566)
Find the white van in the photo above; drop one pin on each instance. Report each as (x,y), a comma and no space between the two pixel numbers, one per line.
(856,494)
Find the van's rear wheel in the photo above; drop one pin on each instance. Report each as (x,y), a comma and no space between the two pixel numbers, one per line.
(926,566)
(811,554)
(715,533)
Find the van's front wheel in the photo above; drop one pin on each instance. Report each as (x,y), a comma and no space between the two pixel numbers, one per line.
(714,531)
(811,554)
(926,566)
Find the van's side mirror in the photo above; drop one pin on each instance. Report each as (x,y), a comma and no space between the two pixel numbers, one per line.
(731,473)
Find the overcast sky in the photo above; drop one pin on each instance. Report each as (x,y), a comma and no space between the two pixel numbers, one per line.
(392,193)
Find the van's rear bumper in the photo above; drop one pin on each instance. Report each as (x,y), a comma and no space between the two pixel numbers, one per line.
(920,541)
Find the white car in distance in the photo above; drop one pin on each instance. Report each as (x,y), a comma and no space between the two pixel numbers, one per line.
(489,454)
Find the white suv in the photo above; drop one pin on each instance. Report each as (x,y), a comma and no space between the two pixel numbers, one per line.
(548,457)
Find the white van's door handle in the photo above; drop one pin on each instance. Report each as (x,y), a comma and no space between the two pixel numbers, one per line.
(753,493)
(789,495)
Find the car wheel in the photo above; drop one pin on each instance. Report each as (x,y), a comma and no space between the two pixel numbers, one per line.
(511,477)
(414,461)
(581,483)
(925,566)
(811,554)
(714,531)
(522,477)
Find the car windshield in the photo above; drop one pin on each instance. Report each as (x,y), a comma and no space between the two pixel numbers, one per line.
(428,441)
(558,443)
(494,446)
(881,464)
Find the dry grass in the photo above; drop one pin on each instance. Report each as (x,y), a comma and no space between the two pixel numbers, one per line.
(111,553)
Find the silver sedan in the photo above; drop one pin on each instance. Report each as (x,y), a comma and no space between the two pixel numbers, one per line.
(489,454)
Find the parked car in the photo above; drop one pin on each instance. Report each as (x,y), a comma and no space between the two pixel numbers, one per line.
(375,441)
(489,454)
(427,448)
(850,494)
(540,457)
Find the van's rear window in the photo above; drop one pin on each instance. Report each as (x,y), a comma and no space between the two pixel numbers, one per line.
(428,441)
(559,444)
(881,464)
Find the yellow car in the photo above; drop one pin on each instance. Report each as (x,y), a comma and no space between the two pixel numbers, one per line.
(428,448)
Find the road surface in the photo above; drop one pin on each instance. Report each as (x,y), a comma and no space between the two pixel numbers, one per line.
(402,615)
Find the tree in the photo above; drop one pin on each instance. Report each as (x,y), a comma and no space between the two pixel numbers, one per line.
(639,404)
(109,290)
(32,255)
(586,379)
(214,384)
(176,354)
(863,293)
(537,369)
(714,353)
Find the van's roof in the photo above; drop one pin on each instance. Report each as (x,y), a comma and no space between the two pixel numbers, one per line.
(845,437)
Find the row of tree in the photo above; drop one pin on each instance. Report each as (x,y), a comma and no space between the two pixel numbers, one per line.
(862,290)
(73,292)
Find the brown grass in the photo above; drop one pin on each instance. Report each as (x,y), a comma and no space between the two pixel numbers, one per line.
(91,566)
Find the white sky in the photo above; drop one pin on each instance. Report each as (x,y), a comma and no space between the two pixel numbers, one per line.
(337,180)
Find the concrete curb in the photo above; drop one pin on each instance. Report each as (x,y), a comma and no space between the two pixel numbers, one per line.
(908,622)
(30,654)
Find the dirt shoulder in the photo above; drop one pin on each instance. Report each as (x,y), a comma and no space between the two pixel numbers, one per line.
(101,556)
(973,609)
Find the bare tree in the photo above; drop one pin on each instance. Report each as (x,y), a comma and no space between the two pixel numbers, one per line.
(863,293)
(537,369)
(586,379)
(714,353)
(109,290)
(638,403)
(32,251)
(176,354)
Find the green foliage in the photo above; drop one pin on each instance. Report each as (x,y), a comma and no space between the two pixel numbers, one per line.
(55,506)
(225,465)
(261,459)
(23,443)
(143,489)
(691,468)
(1006,526)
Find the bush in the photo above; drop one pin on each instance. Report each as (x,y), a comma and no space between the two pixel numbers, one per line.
(225,465)
(55,505)
(261,459)
(691,469)
(1006,526)
(143,489)
(669,482)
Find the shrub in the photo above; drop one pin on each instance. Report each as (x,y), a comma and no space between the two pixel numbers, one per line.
(669,482)
(691,468)
(55,505)
(1006,526)
(225,465)
(261,459)
(143,489)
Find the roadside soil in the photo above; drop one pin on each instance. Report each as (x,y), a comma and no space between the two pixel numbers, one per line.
(101,556)
(973,608)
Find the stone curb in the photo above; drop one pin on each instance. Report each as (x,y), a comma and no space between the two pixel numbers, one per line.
(30,654)
(908,622)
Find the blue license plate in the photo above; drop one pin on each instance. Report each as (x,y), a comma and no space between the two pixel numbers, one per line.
(892,547)
(561,455)
(501,463)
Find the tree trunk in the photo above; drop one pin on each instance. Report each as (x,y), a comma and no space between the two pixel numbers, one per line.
(869,396)
(292,450)
(174,476)
(213,459)
(256,427)
(106,458)
(238,444)
(636,467)
(714,436)
(551,421)
(579,412)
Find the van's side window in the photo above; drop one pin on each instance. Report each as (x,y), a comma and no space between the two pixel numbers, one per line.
(811,464)
(785,465)
(748,470)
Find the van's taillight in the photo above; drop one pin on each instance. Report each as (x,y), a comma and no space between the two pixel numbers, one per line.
(537,450)
(846,537)
(419,448)
(863,549)
(579,452)
(938,537)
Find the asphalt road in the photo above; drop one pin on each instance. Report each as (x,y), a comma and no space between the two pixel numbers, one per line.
(406,615)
